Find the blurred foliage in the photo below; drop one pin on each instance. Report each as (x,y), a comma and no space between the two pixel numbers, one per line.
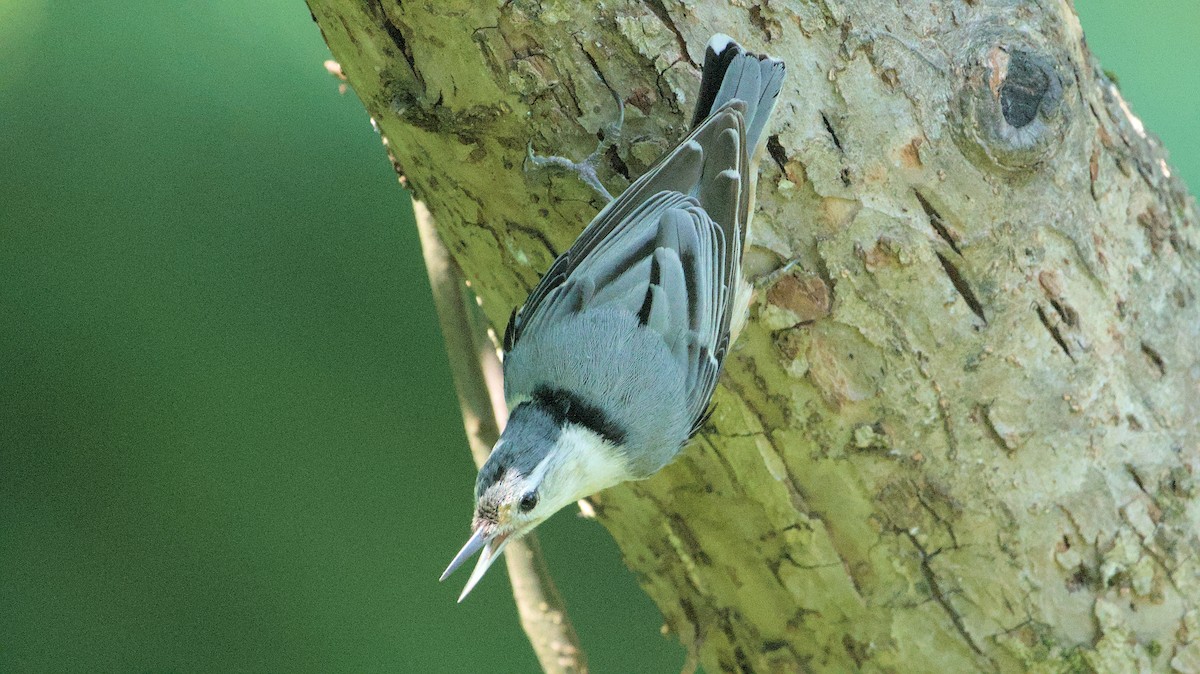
(229,440)
(1152,48)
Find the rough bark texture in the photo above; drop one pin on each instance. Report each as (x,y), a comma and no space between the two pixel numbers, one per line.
(959,433)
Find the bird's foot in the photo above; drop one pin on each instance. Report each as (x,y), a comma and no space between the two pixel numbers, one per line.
(586,169)
(770,279)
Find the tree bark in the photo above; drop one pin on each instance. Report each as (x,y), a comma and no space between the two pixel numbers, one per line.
(959,432)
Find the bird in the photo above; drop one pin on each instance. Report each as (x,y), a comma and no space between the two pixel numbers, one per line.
(611,363)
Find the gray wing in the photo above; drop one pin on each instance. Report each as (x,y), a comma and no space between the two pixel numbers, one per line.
(667,250)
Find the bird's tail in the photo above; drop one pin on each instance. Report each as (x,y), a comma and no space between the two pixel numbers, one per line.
(731,73)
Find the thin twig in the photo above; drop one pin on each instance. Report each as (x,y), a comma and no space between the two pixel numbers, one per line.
(478,382)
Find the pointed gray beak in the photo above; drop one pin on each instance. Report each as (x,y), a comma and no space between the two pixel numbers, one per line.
(492,546)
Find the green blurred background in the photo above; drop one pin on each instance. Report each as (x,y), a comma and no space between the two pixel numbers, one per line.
(228,438)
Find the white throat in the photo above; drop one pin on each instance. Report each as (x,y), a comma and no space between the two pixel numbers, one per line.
(581,464)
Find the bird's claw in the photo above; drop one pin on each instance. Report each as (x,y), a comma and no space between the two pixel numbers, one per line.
(586,169)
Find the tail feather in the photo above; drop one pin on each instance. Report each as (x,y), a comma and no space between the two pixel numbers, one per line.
(717,57)
(731,73)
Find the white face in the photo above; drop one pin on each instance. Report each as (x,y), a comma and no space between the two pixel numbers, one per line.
(511,505)
(581,464)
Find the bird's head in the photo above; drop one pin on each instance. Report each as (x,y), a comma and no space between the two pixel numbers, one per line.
(541,464)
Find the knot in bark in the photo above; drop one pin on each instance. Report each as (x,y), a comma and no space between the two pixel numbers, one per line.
(1009,104)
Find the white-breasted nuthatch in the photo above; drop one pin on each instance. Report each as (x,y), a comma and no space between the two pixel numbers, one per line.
(611,363)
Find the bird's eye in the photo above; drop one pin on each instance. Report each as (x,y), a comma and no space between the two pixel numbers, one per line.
(529,501)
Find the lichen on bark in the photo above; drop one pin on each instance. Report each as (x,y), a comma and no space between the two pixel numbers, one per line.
(959,432)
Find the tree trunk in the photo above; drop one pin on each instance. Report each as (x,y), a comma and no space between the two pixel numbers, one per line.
(959,432)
